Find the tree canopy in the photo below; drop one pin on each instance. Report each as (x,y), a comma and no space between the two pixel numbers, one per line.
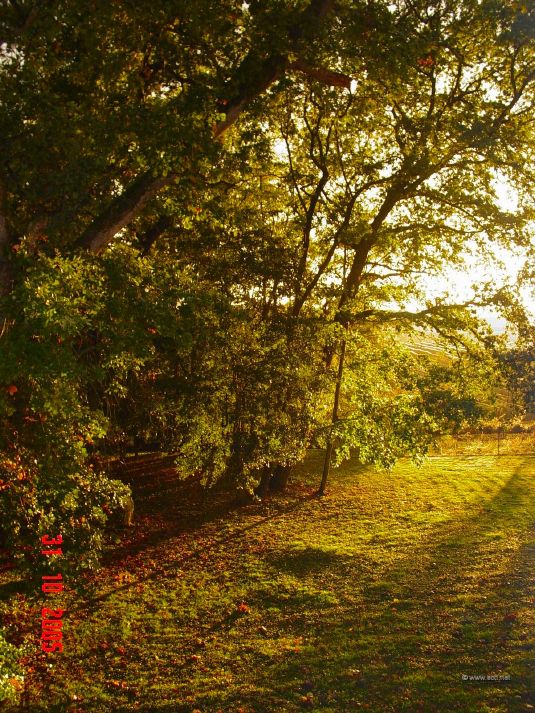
(219,219)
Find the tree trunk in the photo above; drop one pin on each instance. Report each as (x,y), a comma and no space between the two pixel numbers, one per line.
(279,478)
(334,419)
(6,277)
(262,489)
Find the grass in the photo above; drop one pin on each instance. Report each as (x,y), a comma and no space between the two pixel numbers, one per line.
(380,597)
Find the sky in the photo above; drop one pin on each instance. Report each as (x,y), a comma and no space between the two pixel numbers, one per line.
(457,282)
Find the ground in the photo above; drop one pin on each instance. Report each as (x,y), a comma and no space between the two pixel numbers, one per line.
(391,594)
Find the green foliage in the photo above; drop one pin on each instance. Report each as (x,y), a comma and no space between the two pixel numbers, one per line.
(49,424)
(519,366)
(383,416)
(51,496)
(456,395)
(396,401)
(259,404)
(207,326)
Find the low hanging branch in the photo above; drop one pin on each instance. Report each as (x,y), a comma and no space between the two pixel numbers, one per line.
(423,316)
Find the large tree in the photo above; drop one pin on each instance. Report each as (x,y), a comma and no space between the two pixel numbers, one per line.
(263,182)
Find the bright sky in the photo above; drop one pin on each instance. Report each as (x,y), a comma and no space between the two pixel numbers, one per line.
(504,270)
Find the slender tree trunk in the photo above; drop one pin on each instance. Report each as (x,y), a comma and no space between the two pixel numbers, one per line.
(5,266)
(334,419)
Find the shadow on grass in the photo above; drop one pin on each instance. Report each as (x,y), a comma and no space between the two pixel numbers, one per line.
(306,561)
(454,605)
(214,513)
(395,638)
(167,507)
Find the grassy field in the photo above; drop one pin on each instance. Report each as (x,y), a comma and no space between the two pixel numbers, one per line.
(390,594)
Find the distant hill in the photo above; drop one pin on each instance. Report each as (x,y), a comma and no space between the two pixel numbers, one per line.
(429,346)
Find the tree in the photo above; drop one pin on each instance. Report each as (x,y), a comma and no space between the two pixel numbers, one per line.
(412,167)
(519,366)
(141,239)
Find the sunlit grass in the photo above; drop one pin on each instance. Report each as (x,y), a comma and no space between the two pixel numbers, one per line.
(380,597)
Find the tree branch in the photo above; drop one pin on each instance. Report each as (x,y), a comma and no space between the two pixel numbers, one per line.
(251,79)
(316,194)
(323,75)
(121,211)
(355,273)
(425,315)
(148,239)
(301,299)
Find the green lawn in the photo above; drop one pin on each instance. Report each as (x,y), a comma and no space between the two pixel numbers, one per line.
(381,597)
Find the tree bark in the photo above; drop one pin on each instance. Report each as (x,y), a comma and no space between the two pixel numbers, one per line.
(279,478)
(323,75)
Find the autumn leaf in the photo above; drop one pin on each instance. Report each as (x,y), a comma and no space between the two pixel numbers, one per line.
(426,61)
(308,700)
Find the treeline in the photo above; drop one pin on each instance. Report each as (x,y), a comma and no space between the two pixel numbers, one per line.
(215,221)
